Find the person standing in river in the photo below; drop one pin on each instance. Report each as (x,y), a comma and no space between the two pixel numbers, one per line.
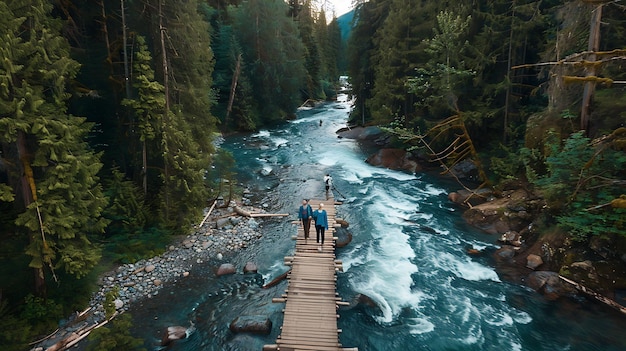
(321,225)
(305,212)
(328,182)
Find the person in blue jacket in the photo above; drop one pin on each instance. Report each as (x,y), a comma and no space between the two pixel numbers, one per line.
(305,212)
(321,224)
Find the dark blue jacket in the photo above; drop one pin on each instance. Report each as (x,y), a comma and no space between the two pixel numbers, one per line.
(305,212)
(320,218)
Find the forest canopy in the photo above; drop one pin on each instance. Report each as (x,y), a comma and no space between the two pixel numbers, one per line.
(110,113)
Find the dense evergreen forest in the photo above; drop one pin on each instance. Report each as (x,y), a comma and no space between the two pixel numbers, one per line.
(109,116)
(110,112)
(532,90)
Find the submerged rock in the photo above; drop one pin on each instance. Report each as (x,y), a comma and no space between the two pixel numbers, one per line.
(396,159)
(226,269)
(251,324)
(172,334)
(250,267)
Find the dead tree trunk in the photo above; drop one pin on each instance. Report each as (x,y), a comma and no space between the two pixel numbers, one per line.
(125,50)
(591,71)
(233,87)
(166,84)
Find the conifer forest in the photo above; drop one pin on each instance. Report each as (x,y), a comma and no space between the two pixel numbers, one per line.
(111,112)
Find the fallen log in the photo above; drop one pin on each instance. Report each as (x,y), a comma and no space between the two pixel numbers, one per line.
(240,211)
(256,215)
(208,214)
(605,300)
(277,280)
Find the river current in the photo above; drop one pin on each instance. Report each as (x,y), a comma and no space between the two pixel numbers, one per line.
(408,255)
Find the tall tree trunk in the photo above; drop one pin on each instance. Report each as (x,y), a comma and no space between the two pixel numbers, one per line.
(29,195)
(590,86)
(144,156)
(125,43)
(507,99)
(166,74)
(233,87)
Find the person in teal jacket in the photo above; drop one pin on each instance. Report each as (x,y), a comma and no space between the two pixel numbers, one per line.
(321,224)
(305,212)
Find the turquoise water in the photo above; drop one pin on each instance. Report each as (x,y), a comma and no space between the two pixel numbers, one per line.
(408,255)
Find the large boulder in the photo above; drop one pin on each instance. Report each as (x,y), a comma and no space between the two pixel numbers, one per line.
(251,324)
(222,222)
(396,159)
(360,133)
(225,269)
(344,237)
(172,334)
(508,213)
(549,284)
(465,169)
(533,261)
(250,267)
(464,197)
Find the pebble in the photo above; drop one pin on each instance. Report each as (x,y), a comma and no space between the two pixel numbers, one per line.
(152,274)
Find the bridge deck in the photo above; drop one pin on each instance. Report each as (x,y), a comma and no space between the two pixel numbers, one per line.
(310,314)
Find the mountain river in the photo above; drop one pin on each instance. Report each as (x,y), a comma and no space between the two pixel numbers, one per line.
(408,255)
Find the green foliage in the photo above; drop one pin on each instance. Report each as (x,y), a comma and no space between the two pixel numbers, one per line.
(6,193)
(581,180)
(60,195)
(132,247)
(441,80)
(150,102)
(127,212)
(512,164)
(115,337)
(15,333)
(38,308)
(109,302)
(272,46)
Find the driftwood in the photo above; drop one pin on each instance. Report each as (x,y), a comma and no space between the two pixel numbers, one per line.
(277,280)
(256,215)
(77,336)
(208,214)
(240,211)
(605,300)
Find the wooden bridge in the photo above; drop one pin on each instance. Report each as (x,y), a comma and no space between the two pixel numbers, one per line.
(311,302)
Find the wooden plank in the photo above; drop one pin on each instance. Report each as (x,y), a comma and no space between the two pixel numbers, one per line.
(310,313)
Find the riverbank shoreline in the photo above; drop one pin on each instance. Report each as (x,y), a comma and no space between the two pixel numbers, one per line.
(224,234)
(530,253)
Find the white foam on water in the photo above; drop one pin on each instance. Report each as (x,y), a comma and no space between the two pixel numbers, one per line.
(420,325)
(264,133)
(311,119)
(389,262)
(475,335)
(498,318)
(521,317)
(278,141)
(464,267)
(354,170)
(433,190)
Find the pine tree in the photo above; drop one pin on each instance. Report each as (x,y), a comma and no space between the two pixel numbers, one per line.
(53,173)
(399,51)
(274,52)
(148,106)
(187,125)
(368,19)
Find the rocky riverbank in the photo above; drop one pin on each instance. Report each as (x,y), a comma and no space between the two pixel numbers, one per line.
(225,233)
(532,251)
